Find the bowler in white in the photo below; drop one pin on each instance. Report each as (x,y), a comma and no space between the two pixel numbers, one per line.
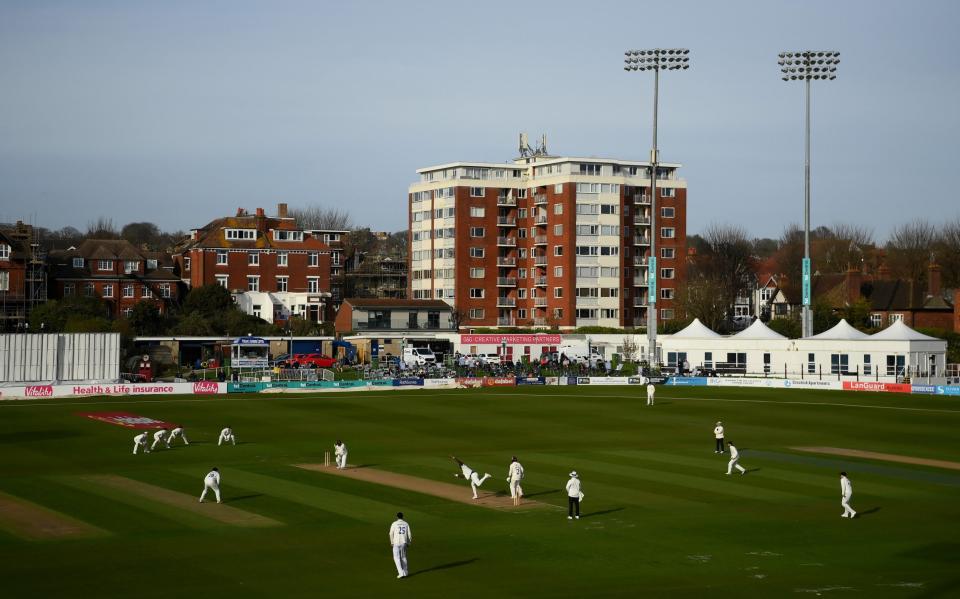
(177,432)
(514,476)
(140,441)
(651,391)
(846,492)
(340,454)
(734,458)
(469,474)
(211,482)
(226,435)
(400,539)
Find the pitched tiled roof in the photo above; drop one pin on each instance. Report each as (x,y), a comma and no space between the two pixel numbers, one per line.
(109,249)
(212,235)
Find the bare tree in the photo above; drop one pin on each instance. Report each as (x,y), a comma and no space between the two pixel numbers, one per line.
(703,297)
(948,252)
(909,250)
(843,247)
(629,348)
(102,228)
(321,217)
(728,263)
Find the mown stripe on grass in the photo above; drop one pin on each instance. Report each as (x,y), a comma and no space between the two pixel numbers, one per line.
(186,508)
(718,484)
(886,457)
(817,481)
(33,522)
(357,507)
(837,465)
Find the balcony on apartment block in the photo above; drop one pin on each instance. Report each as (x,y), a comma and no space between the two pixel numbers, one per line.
(506,282)
(639,219)
(540,281)
(539,321)
(540,302)
(540,260)
(641,240)
(540,219)
(639,260)
(641,198)
(506,221)
(640,302)
(540,240)
(506,302)
(506,261)
(506,321)
(540,199)
(506,200)
(507,241)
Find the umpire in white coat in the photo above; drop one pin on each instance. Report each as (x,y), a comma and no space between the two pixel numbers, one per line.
(574,495)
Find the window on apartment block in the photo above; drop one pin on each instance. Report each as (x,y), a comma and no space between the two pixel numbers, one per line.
(313,284)
(282,259)
(666,273)
(591,169)
(558,292)
(313,259)
(558,188)
(666,293)
(476,313)
(667,232)
(253,283)
(477,273)
(476,252)
(558,271)
(521,293)
(253,259)
(476,293)
(477,192)
(558,250)
(558,229)
(221,257)
(282,284)
(128,291)
(667,212)
(478,211)
(667,192)
(666,314)
(476,231)
(105,265)
(108,290)
(222,280)
(558,208)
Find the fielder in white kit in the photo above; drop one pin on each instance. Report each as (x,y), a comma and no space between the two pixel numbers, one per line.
(159,437)
(651,391)
(400,538)
(211,482)
(514,476)
(469,474)
(734,457)
(140,441)
(177,432)
(227,435)
(340,454)
(846,492)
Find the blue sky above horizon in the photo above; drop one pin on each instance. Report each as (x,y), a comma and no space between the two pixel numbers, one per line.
(179,112)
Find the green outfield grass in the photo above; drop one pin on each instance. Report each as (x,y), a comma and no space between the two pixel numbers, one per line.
(660,517)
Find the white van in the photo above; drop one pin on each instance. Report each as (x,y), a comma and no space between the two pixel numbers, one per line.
(577,354)
(418,356)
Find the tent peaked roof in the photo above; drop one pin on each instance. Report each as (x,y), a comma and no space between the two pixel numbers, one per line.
(758,330)
(901,332)
(842,331)
(695,330)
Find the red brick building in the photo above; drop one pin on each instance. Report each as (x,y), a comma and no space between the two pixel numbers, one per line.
(117,272)
(547,241)
(273,268)
(22,276)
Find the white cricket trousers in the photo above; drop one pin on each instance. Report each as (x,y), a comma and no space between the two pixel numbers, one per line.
(476,481)
(649,399)
(400,559)
(515,488)
(224,438)
(155,442)
(848,511)
(136,446)
(733,464)
(342,461)
(208,486)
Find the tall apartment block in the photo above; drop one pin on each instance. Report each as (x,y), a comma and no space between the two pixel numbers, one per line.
(547,241)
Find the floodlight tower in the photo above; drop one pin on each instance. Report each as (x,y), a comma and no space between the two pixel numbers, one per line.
(656,60)
(807,66)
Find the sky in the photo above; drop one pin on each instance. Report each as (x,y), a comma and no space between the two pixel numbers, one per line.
(179,112)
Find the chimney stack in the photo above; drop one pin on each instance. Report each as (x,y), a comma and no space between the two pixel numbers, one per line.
(854,278)
(282,210)
(933,279)
(260,213)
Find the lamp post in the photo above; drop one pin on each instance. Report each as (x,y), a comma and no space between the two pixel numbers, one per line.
(807,66)
(656,60)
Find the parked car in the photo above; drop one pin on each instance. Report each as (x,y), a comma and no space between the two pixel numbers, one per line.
(312,361)
(281,360)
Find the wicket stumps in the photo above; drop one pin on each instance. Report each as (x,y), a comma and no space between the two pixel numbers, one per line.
(516,500)
(326,459)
